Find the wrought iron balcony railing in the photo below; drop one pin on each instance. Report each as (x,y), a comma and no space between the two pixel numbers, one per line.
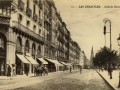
(36,1)
(21,4)
(35,17)
(41,5)
(28,12)
(40,22)
(27,31)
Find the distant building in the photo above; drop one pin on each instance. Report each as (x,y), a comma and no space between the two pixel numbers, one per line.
(82,59)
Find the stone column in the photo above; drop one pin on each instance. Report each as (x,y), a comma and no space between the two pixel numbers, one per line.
(11,47)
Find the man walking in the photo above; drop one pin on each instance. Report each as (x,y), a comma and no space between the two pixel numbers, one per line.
(80,69)
(27,70)
(70,69)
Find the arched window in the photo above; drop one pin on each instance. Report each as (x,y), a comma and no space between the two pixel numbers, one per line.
(39,51)
(19,45)
(2,43)
(33,50)
(27,47)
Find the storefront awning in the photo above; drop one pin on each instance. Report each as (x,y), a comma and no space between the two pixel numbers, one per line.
(22,58)
(63,63)
(69,64)
(55,62)
(31,60)
(43,61)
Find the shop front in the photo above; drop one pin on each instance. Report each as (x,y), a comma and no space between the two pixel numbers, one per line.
(21,64)
(2,55)
(54,65)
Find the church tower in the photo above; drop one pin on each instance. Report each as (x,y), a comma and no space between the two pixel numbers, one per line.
(91,58)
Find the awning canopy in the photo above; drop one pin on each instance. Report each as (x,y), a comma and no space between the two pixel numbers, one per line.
(63,63)
(31,60)
(22,58)
(55,62)
(69,64)
(43,61)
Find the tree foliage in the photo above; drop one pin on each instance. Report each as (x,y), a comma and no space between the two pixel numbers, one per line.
(105,56)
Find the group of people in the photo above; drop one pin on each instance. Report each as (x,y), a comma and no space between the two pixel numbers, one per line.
(40,70)
(80,68)
(11,70)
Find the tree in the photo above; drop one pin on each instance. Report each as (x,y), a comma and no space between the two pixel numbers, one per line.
(105,56)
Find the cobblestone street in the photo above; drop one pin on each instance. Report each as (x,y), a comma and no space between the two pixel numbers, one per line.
(88,80)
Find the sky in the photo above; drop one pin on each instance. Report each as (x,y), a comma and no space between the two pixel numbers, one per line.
(86,24)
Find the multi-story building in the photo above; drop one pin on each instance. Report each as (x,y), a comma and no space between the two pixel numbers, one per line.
(76,51)
(33,33)
(82,61)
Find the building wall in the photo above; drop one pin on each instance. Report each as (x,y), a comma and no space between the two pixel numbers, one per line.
(41,25)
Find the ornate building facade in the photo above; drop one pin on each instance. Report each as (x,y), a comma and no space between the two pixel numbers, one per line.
(33,30)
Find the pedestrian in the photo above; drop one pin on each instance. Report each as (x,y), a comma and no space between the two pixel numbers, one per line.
(27,70)
(70,69)
(9,71)
(102,69)
(45,70)
(35,71)
(13,70)
(110,69)
(80,69)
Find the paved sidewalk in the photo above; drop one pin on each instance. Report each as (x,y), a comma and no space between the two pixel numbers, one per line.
(24,76)
(17,76)
(115,78)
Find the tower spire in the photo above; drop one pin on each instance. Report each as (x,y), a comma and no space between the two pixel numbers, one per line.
(91,58)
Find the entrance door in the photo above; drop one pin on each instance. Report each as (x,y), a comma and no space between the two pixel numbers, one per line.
(2,66)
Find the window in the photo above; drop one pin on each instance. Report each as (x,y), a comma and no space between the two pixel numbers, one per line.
(39,31)
(34,28)
(1,43)
(34,8)
(28,3)
(39,14)
(28,24)
(27,47)
(20,18)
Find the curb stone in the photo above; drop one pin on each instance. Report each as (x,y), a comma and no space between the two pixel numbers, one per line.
(106,80)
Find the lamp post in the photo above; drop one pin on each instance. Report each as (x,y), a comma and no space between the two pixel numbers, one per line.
(118,40)
(105,21)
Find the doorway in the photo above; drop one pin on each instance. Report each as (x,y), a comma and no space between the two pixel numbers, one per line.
(2,66)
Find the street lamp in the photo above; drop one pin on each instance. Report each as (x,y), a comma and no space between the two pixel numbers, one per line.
(105,21)
(118,40)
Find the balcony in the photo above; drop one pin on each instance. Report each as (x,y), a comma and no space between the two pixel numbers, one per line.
(6,2)
(61,48)
(4,20)
(47,42)
(40,22)
(28,12)
(67,44)
(46,19)
(35,1)
(21,5)
(27,31)
(53,44)
(35,17)
(41,5)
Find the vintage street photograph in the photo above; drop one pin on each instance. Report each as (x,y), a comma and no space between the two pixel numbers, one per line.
(59,45)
